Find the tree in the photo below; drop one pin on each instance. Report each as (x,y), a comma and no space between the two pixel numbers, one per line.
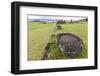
(61,22)
(71,21)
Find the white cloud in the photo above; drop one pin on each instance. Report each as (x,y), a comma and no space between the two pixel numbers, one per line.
(55,17)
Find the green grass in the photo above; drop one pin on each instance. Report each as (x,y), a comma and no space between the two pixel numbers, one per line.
(39,35)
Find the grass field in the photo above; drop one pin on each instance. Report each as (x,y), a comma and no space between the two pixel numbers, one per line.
(39,35)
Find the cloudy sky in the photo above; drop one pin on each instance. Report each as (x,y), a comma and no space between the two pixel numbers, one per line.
(55,17)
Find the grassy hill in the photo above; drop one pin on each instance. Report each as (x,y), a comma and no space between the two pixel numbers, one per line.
(39,35)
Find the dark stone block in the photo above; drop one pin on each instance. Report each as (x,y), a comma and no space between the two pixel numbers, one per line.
(69,44)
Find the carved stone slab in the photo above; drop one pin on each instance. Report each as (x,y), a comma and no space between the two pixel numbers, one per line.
(69,44)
